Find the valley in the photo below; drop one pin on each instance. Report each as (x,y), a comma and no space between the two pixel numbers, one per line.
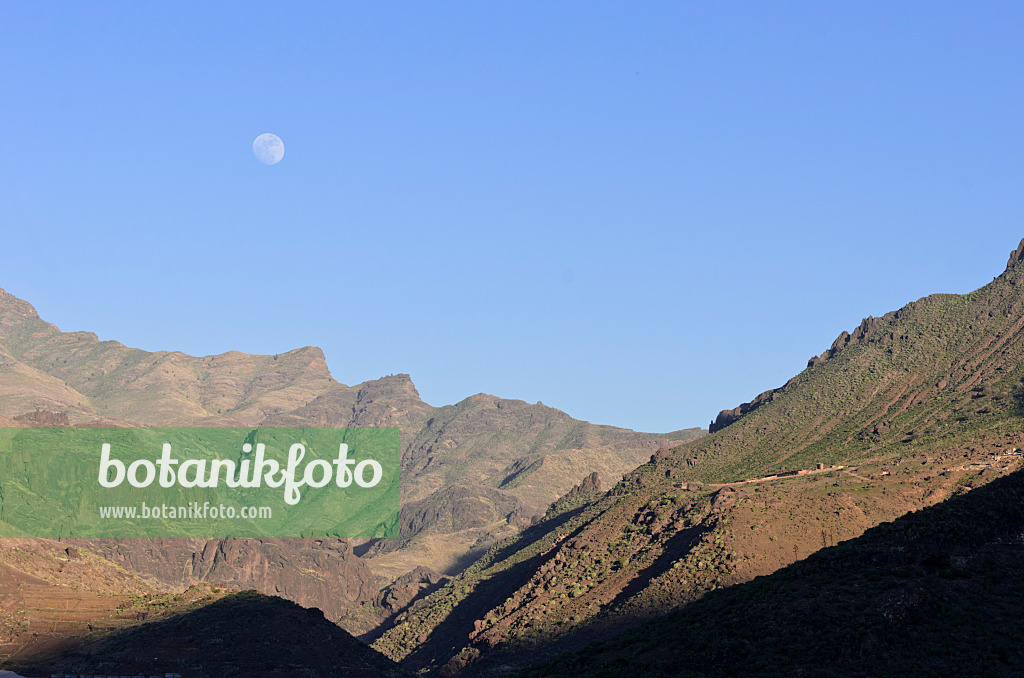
(528,536)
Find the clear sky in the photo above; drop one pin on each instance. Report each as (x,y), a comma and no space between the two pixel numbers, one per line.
(640,213)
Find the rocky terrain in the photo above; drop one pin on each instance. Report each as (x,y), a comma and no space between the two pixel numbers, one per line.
(936,592)
(63,609)
(320,573)
(54,595)
(862,519)
(472,473)
(909,410)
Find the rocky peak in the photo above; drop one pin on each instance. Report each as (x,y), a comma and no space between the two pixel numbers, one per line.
(393,389)
(14,311)
(317,361)
(592,484)
(1016,256)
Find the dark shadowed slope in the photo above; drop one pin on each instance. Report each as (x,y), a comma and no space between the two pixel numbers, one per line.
(937,592)
(244,634)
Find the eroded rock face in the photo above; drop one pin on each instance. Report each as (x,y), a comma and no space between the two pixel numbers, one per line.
(472,473)
(592,484)
(43,418)
(726,417)
(459,507)
(322,573)
(1016,256)
(409,587)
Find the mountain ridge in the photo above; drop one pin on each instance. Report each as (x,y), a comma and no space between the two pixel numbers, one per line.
(473,472)
(908,410)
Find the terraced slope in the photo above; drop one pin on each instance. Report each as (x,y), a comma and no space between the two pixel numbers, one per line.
(321,573)
(905,412)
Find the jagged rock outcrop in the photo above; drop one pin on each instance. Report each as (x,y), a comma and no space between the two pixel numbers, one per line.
(726,417)
(43,418)
(592,484)
(408,588)
(868,327)
(1016,256)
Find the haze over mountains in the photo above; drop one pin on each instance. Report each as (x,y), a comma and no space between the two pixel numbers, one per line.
(920,412)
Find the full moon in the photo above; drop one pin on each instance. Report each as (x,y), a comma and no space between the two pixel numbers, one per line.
(268,148)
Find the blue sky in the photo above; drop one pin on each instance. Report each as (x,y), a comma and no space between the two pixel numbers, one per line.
(640,213)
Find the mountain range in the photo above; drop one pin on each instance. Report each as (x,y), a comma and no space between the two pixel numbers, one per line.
(911,409)
(861,519)
(472,473)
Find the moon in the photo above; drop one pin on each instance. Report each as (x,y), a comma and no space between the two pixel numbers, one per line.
(268,148)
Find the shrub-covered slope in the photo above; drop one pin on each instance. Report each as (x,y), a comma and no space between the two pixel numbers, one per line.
(910,409)
(937,592)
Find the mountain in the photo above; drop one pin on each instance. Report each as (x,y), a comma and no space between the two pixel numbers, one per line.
(320,573)
(475,471)
(242,634)
(95,381)
(52,593)
(64,610)
(936,592)
(472,473)
(867,508)
(908,410)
